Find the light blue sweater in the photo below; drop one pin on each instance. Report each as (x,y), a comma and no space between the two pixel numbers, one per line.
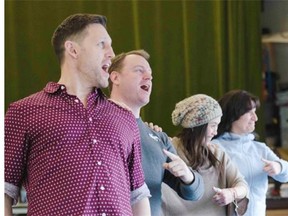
(246,153)
(152,144)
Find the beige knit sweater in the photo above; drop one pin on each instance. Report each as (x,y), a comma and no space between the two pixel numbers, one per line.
(173,205)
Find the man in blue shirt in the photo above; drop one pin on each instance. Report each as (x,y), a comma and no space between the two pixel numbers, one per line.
(131,85)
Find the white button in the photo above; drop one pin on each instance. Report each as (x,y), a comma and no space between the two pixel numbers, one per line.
(99,162)
(90,119)
(103,214)
(62,87)
(94,141)
(76,100)
(102,188)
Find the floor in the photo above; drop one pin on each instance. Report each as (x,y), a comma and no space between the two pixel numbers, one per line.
(280,212)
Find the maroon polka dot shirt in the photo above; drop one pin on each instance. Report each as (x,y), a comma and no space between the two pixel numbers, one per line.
(72,160)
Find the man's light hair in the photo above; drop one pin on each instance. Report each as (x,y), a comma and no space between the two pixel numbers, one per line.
(117,61)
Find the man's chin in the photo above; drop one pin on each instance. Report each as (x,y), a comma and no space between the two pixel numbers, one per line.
(145,102)
(103,84)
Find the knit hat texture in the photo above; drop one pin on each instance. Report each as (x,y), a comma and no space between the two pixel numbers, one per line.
(195,111)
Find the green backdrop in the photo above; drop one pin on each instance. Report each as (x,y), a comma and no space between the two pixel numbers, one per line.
(195,46)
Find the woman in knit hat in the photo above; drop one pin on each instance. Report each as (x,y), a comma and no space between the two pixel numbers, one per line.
(255,160)
(225,188)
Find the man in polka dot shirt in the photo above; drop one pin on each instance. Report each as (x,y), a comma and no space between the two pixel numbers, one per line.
(131,85)
(75,152)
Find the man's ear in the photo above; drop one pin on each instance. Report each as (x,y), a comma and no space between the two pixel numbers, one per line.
(114,77)
(71,48)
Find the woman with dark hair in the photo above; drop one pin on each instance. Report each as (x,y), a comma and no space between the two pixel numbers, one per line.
(225,188)
(255,160)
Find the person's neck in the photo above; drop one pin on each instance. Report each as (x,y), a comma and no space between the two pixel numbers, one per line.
(121,101)
(237,132)
(75,86)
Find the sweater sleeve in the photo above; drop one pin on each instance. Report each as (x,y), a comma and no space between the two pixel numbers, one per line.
(233,178)
(283,175)
(193,191)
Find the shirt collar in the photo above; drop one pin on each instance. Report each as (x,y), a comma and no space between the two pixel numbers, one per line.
(52,87)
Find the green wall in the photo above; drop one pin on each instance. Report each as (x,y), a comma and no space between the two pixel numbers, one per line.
(195,46)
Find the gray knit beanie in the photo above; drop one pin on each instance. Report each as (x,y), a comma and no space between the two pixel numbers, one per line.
(195,111)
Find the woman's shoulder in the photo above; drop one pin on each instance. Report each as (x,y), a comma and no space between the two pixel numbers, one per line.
(216,150)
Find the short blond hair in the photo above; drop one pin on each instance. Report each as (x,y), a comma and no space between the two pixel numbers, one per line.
(117,61)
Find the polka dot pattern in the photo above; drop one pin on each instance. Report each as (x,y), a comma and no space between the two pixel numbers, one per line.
(72,160)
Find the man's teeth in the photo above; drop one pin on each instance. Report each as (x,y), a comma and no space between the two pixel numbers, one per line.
(105,67)
(145,87)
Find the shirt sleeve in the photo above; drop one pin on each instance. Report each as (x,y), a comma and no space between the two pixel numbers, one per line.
(193,191)
(283,175)
(15,150)
(12,191)
(139,194)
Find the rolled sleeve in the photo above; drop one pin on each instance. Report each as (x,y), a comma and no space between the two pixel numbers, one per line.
(12,191)
(140,194)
